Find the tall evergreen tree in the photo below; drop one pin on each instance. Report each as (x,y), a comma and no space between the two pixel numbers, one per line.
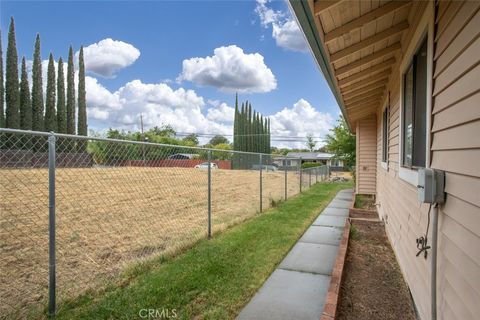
(235,125)
(70,93)
(82,103)
(25,100)
(2,97)
(61,111)
(50,99)
(12,92)
(37,89)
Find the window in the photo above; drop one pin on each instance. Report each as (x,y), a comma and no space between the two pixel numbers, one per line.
(414,130)
(385,133)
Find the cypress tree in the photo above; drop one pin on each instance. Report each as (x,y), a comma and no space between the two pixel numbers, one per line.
(268,142)
(254,132)
(70,93)
(37,89)
(235,125)
(61,111)
(82,103)
(50,118)
(2,97)
(242,128)
(12,93)
(249,128)
(25,100)
(266,135)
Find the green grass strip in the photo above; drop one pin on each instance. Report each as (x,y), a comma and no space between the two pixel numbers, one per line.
(215,278)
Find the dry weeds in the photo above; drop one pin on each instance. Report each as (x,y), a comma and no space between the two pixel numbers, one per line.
(108,218)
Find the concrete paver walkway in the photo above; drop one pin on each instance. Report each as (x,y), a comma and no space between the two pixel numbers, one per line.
(298,288)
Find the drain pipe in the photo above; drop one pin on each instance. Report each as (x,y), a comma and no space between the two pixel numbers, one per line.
(433,273)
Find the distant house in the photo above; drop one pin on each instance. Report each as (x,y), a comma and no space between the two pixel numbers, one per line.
(292,159)
(183,156)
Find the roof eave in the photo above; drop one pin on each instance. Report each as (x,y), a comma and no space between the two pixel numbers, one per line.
(306,22)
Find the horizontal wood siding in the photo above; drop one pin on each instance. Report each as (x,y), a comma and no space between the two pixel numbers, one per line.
(366,155)
(455,148)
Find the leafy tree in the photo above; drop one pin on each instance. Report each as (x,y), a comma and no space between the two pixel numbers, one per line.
(341,142)
(12,93)
(218,139)
(70,93)
(61,111)
(311,143)
(25,100)
(191,139)
(2,96)
(37,89)
(82,103)
(162,131)
(50,117)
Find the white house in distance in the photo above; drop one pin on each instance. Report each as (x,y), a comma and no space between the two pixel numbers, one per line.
(293,159)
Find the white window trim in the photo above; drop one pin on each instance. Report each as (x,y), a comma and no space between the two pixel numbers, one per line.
(425,28)
(384,164)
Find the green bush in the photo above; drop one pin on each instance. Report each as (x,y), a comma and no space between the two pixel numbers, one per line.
(307,165)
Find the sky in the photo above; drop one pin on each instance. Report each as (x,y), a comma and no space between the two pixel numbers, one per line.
(182,62)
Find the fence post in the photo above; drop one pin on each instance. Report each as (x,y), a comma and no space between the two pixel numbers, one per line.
(310,177)
(300,167)
(51,227)
(209,194)
(261,184)
(285,167)
(316,174)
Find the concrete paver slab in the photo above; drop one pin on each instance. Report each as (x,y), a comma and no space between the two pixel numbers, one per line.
(341,212)
(340,204)
(322,235)
(330,221)
(288,295)
(311,257)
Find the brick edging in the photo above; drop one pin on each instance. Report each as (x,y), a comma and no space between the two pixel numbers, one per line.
(333,295)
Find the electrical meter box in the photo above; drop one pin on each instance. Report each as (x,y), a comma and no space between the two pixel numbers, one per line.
(431,184)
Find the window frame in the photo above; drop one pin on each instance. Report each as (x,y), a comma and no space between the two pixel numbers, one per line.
(424,29)
(385,134)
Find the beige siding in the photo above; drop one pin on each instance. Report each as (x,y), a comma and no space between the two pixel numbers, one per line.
(455,148)
(366,155)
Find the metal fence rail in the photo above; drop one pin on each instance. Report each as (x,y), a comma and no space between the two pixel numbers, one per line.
(76,211)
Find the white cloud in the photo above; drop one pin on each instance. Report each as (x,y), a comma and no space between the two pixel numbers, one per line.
(106,57)
(221,112)
(298,121)
(285,30)
(230,70)
(157,103)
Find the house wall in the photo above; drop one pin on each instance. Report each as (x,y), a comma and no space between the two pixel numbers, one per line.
(455,148)
(366,155)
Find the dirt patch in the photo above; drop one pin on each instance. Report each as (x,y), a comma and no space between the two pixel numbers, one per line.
(363,214)
(107,218)
(373,286)
(365,202)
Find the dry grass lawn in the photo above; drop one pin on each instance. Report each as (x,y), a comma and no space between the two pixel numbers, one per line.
(108,218)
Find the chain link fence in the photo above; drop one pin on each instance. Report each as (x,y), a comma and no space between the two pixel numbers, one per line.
(77,211)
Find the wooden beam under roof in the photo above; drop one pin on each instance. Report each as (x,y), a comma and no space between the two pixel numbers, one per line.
(362,20)
(355,86)
(369,41)
(371,57)
(361,102)
(322,5)
(365,73)
(370,87)
(366,94)
(363,111)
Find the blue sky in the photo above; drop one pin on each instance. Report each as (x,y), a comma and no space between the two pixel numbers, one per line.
(251,47)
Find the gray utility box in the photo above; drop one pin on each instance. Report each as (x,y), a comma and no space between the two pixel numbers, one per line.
(431,185)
